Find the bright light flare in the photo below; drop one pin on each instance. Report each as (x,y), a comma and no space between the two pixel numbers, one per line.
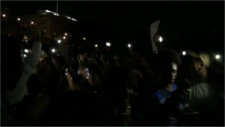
(184,53)
(53,50)
(59,41)
(217,56)
(47,11)
(108,44)
(26,50)
(160,39)
(129,45)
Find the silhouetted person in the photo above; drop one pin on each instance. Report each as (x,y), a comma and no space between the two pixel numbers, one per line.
(159,104)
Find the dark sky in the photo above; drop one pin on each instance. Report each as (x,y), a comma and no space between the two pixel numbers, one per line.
(187,22)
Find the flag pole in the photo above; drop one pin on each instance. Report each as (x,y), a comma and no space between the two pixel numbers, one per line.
(57,6)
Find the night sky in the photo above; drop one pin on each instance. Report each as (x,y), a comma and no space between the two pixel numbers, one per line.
(195,25)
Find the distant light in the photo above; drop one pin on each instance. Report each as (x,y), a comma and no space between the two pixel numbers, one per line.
(26,50)
(108,44)
(184,53)
(160,39)
(73,19)
(56,14)
(53,50)
(129,45)
(68,17)
(87,73)
(59,41)
(64,37)
(31,22)
(217,56)
(66,71)
(24,55)
(84,38)
(47,11)
(65,34)
(18,19)
(96,45)
(4,15)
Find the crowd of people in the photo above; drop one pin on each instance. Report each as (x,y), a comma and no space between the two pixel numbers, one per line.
(117,88)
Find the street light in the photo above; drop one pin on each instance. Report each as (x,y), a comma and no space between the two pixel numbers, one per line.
(184,53)
(53,50)
(84,38)
(217,56)
(96,45)
(26,50)
(64,37)
(59,41)
(129,45)
(160,39)
(3,15)
(18,19)
(24,55)
(108,44)
(32,22)
(65,34)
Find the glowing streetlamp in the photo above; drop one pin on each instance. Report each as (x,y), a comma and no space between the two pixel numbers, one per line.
(84,38)
(108,44)
(184,53)
(217,56)
(59,41)
(64,37)
(18,19)
(65,34)
(53,50)
(96,45)
(160,39)
(24,55)
(31,22)
(3,15)
(129,45)
(26,50)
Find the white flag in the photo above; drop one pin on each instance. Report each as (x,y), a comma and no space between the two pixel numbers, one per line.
(154,30)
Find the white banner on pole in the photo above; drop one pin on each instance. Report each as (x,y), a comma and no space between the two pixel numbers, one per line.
(154,30)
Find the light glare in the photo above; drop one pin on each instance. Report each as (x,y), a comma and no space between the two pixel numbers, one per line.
(129,45)
(217,56)
(184,53)
(53,50)
(108,44)
(160,39)
(26,50)
(59,41)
